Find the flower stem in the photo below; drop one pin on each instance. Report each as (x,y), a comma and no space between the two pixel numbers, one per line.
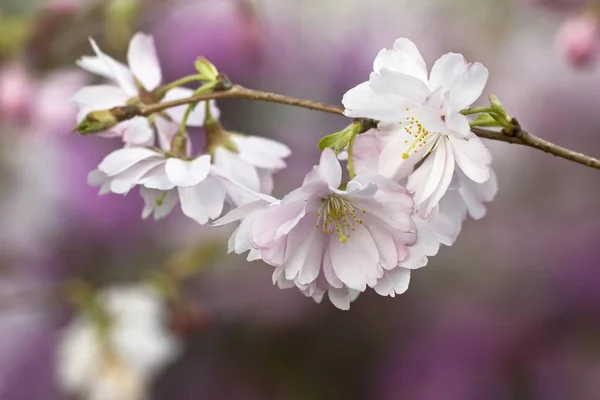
(478,110)
(161,91)
(351,172)
(488,123)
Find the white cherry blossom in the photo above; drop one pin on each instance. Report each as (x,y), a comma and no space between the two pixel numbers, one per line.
(138,80)
(428,111)
(121,362)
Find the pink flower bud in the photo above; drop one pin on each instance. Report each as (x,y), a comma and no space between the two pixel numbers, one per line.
(579,39)
(16,93)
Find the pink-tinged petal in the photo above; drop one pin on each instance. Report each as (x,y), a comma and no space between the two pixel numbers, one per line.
(355,261)
(275,222)
(262,153)
(330,169)
(158,202)
(388,255)
(391,164)
(241,241)
(340,298)
(398,84)
(124,181)
(404,57)
(187,173)
(304,252)
(143,61)
(458,124)
(472,157)
(363,102)
(447,175)
(136,131)
(203,201)
(476,195)
(166,131)
(393,282)
(367,151)
(110,68)
(237,170)
(468,87)
(275,253)
(157,178)
(197,116)
(446,71)
(435,177)
(119,160)
(266,180)
(280,280)
(241,212)
(99,97)
(329,273)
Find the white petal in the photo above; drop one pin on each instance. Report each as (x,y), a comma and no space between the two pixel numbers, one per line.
(437,171)
(329,273)
(197,116)
(204,201)
(158,202)
(330,169)
(304,252)
(136,131)
(448,172)
(398,84)
(100,97)
(363,102)
(393,282)
(236,169)
(404,58)
(157,178)
(472,157)
(240,212)
(468,87)
(458,124)
(276,222)
(355,262)
(260,152)
(166,131)
(124,181)
(388,255)
(446,71)
(120,160)
(339,298)
(187,173)
(143,61)
(110,68)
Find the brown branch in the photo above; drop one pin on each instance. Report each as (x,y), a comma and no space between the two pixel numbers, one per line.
(236,91)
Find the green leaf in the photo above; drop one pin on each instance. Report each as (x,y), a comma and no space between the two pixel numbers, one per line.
(339,140)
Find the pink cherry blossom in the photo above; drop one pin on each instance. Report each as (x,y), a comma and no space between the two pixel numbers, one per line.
(323,238)
(579,39)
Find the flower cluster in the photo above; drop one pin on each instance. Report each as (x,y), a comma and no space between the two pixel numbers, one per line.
(157,155)
(416,171)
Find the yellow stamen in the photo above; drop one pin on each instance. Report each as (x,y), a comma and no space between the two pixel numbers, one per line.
(339,215)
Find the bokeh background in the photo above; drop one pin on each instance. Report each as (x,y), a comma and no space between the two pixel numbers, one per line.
(511,311)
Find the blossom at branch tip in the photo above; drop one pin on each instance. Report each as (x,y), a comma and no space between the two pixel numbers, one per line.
(424,115)
(328,238)
(119,360)
(137,82)
(202,184)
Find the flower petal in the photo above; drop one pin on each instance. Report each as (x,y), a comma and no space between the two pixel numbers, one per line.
(446,71)
(328,271)
(404,57)
(119,160)
(468,87)
(398,84)
(363,102)
(203,201)
(330,169)
(158,202)
(275,222)
(340,298)
(472,157)
(187,173)
(448,172)
(304,252)
(197,116)
(106,66)
(393,282)
(236,169)
(437,170)
(136,131)
(388,255)
(355,261)
(143,61)
(124,181)
(458,124)
(99,97)
(157,178)
(166,130)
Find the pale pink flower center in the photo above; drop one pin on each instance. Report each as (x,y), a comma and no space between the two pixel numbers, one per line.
(420,136)
(337,214)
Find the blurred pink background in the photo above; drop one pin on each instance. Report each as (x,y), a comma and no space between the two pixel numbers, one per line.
(511,311)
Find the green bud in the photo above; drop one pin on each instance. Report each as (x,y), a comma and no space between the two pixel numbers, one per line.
(499,113)
(96,121)
(339,140)
(206,69)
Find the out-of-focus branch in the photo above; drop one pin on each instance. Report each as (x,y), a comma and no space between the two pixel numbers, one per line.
(517,136)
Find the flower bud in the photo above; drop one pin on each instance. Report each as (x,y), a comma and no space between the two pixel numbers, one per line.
(96,121)
(579,39)
(206,69)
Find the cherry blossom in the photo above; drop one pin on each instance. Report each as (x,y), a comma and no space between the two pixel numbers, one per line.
(137,82)
(324,237)
(120,360)
(428,111)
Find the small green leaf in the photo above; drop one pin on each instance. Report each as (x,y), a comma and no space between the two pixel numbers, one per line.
(339,140)
(206,69)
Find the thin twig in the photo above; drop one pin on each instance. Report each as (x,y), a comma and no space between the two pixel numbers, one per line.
(236,91)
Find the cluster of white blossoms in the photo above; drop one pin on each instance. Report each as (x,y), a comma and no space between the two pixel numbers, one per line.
(413,179)
(157,154)
(117,357)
